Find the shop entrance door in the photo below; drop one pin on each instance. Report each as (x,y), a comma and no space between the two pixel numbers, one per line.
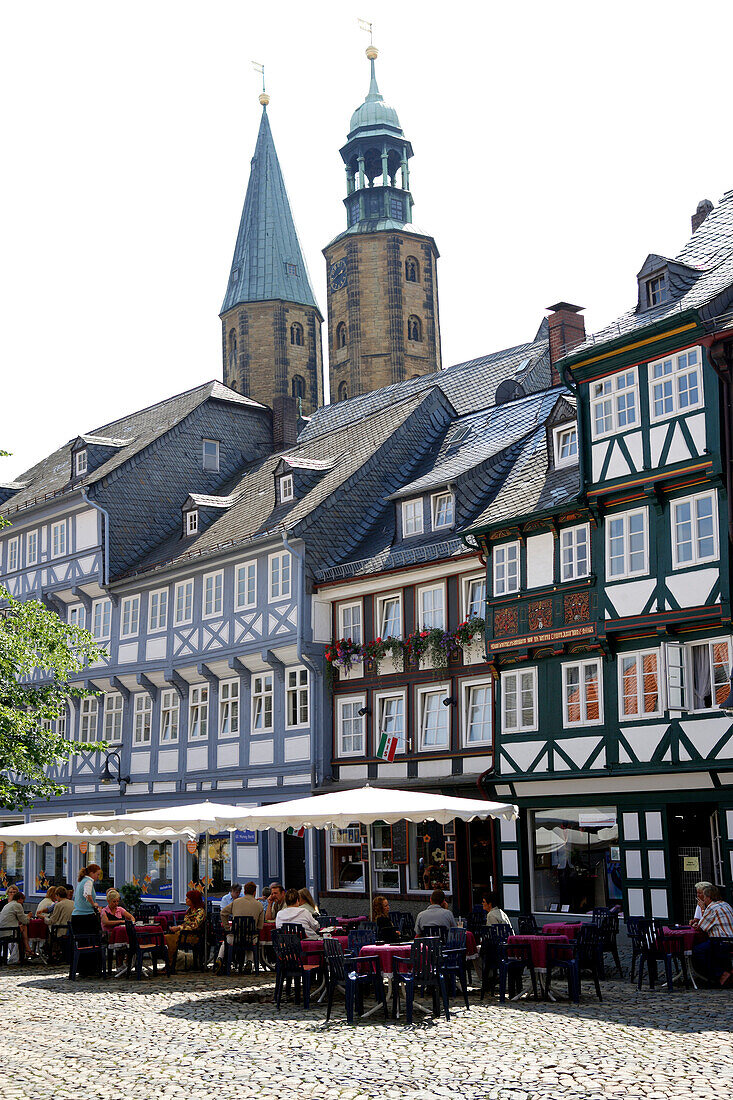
(293,862)
(691,855)
(481,859)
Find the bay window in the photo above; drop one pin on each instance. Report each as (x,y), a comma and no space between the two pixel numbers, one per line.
(519,700)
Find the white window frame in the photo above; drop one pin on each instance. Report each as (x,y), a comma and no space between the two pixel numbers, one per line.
(497,565)
(59,543)
(80,463)
(516,674)
(679,368)
(574,573)
(133,627)
(344,631)
(89,720)
(300,690)
(625,517)
(263,689)
(250,570)
(466,584)
(31,558)
(639,655)
(158,620)
(379,605)
(210,462)
(170,706)
(434,504)
(102,608)
(13,555)
(610,390)
(76,615)
(583,720)
(440,611)
(114,712)
(379,699)
(413,518)
(571,429)
(142,728)
(355,702)
(441,691)
(689,673)
(286,488)
(183,619)
(692,501)
(198,705)
(192,522)
(229,698)
(278,589)
(467,688)
(213,595)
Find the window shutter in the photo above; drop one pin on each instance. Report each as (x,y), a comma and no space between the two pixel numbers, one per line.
(675,666)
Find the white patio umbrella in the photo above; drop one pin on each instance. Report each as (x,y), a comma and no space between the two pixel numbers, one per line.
(57,831)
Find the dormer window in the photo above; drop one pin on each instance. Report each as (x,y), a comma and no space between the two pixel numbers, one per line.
(656,291)
(286,488)
(566,445)
(412,517)
(443,510)
(210,455)
(191,522)
(80,463)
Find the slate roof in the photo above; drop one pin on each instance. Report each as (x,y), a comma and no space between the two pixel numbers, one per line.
(131,434)
(374,115)
(267,240)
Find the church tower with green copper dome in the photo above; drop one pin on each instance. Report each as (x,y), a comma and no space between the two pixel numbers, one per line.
(382,277)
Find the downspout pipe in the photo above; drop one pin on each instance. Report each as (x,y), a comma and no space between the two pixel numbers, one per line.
(105,514)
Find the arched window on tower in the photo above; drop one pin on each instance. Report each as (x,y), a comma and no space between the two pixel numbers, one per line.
(297,386)
(414,328)
(343,392)
(412,270)
(341,335)
(232,358)
(296,334)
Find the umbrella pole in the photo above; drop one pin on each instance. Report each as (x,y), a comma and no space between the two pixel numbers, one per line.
(369,869)
(206,899)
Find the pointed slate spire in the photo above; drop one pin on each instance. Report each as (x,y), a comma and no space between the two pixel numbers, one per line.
(267,263)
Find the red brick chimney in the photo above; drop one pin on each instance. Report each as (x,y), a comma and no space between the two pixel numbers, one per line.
(704,207)
(567,330)
(284,423)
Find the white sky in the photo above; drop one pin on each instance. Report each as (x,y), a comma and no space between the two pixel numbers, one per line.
(555,146)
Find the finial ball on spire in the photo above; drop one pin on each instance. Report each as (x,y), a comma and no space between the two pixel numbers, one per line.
(372,53)
(264,99)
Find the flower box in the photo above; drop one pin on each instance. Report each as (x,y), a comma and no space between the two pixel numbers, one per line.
(355,672)
(390,664)
(475,652)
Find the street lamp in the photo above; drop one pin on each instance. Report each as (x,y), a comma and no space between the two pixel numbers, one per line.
(107,776)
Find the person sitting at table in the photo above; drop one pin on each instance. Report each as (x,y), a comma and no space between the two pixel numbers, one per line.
(11,892)
(46,903)
(712,959)
(245,906)
(275,901)
(490,904)
(307,901)
(699,887)
(113,914)
(13,915)
(229,898)
(294,913)
(192,922)
(386,931)
(437,914)
(60,915)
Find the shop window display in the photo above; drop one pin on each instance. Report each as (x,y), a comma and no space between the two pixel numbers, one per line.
(576,859)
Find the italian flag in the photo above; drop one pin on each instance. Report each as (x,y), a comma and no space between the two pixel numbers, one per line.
(387,746)
(296,832)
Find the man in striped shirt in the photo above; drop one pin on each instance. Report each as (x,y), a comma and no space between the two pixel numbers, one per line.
(713,958)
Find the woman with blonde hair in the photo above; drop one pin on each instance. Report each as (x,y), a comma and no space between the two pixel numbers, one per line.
(307,901)
(46,903)
(113,914)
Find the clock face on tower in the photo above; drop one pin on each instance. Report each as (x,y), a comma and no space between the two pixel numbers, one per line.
(337,275)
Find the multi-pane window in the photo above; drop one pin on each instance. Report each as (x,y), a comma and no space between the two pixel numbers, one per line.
(675,384)
(519,700)
(433,718)
(75,615)
(477,713)
(245,582)
(474,597)
(627,544)
(213,594)
(61,723)
(262,692)
(13,555)
(431,602)
(158,610)
(575,552)
(287,489)
(183,603)
(210,454)
(350,621)
(31,548)
(614,404)
(198,712)
(113,710)
(709,674)
(506,568)
(130,617)
(391,719)
(101,620)
(389,616)
(143,719)
(566,445)
(350,726)
(656,291)
(228,708)
(296,697)
(192,522)
(443,510)
(412,517)
(639,684)
(694,530)
(582,695)
(88,721)
(169,715)
(280,576)
(58,539)
(80,463)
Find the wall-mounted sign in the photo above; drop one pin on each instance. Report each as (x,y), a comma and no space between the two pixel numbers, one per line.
(615,854)
(400,852)
(83,847)
(245,836)
(690,863)
(540,639)
(192,847)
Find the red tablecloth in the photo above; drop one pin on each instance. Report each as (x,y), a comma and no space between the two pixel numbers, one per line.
(386,952)
(165,920)
(348,922)
(37,928)
(689,936)
(312,950)
(561,928)
(266,931)
(144,931)
(538,946)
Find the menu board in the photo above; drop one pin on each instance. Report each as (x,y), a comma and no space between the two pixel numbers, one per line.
(399,843)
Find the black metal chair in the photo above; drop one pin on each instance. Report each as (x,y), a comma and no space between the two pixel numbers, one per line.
(324,921)
(58,942)
(8,937)
(435,932)
(404,922)
(87,945)
(423,969)
(634,928)
(191,940)
(651,947)
(147,910)
(145,943)
(354,975)
(607,924)
(360,937)
(293,930)
(289,966)
(513,960)
(454,961)
(245,941)
(494,937)
(584,954)
(527,925)
(369,926)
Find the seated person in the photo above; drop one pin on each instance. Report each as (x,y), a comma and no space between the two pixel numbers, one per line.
(46,903)
(386,931)
(275,901)
(699,887)
(13,915)
(113,914)
(193,923)
(245,905)
(307,901)
(494,915)
(437,914)
(712,959)
(229,898)
(60,915)
(294,913)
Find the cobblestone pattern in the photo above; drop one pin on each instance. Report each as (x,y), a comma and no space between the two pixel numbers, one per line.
(199,1035)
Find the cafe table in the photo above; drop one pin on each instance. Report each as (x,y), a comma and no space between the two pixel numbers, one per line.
(562,928)
(117,938)
(386,953)
(37,930)
(688,937)
(538,945)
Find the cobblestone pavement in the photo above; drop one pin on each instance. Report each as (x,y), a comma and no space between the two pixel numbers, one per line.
(205,1036)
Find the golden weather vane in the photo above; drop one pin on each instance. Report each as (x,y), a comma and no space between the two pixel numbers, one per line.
(260,68)
(369,28)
